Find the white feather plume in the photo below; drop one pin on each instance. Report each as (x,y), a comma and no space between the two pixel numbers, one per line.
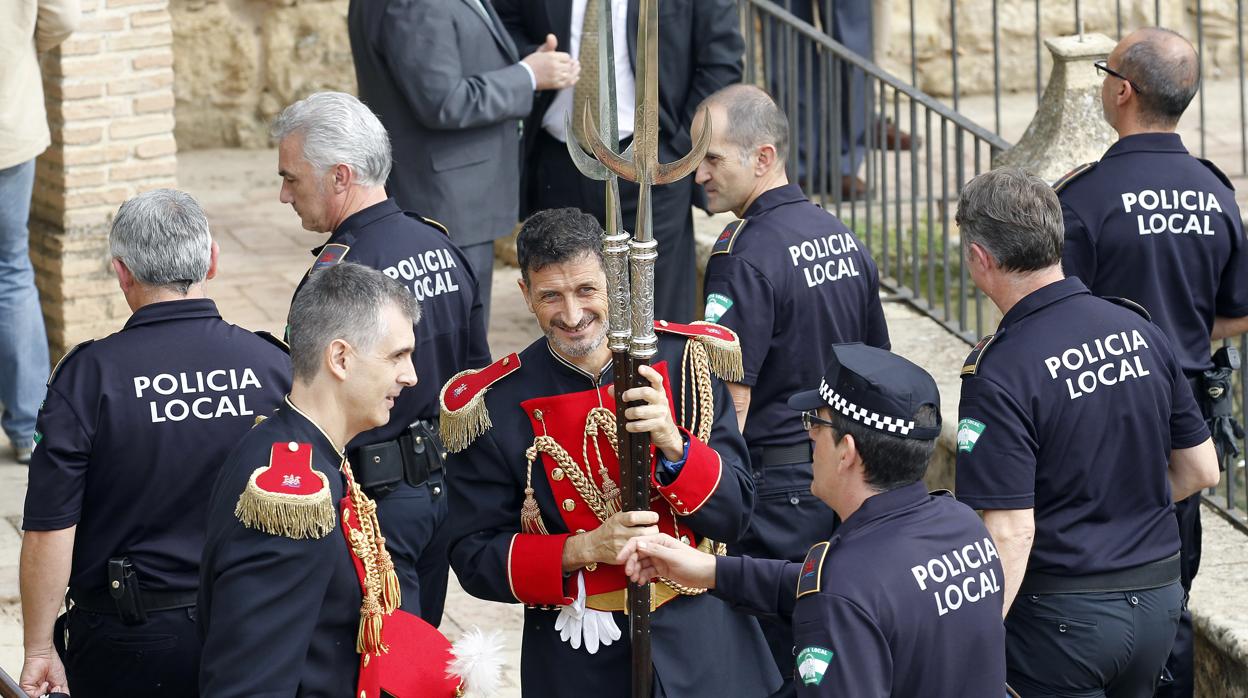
(478,662)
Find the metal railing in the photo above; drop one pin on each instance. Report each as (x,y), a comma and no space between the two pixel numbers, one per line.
(904,212)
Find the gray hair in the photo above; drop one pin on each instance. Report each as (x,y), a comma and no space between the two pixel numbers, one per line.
(343,302)
(162,237)
(753,119)
(338,129)
(1013,215)
(1166,70)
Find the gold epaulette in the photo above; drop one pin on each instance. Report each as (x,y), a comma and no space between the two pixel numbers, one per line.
(464,415)
(288,497)
(725,241)
(1071,176)
(723,348)
(971,367)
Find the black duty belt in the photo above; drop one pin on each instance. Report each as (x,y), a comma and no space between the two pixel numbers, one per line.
(102,602)
(786,455)
(1148,576)
(413,457)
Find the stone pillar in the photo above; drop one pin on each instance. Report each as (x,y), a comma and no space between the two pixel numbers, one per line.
(1068,128)
(109,92)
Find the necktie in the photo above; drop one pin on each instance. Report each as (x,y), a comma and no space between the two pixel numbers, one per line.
(586,90)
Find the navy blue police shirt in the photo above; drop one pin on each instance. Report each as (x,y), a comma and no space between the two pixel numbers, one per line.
(1072,409)
(450,336)
(133,432)
(278,616)
(1151,223)
(905,599)
(791,280)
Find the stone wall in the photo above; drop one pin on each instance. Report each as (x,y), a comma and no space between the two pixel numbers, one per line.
(109,92)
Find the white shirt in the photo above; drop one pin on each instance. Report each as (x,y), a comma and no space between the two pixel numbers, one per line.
(625,85)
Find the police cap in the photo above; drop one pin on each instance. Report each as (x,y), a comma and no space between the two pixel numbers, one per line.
(875,388)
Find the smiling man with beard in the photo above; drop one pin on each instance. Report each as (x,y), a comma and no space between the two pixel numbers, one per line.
(535,510)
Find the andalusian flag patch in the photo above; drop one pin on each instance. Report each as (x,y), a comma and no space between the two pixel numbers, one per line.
(812,663)
(716,305)
(969,431)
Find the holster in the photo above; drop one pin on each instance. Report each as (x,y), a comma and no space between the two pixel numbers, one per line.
(413,457)
(1215,398)
(123,587)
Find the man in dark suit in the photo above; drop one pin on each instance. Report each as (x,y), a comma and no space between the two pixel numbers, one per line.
(448,84)
(700,49)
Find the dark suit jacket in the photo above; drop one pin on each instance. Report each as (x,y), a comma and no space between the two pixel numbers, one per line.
(448,87)
(700,50)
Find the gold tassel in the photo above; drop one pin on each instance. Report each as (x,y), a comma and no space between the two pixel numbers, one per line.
(368,641)
(531,514)
(725,358)
(461,427)
(391,594)
(296,516)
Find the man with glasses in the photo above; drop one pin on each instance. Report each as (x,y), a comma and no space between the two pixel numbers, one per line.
(905,598)
(1151,223)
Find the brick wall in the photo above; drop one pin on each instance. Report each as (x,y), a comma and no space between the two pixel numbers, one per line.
(109,92)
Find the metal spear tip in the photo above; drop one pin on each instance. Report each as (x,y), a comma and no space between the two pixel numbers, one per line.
(666,174)
(584,162)
(617,164)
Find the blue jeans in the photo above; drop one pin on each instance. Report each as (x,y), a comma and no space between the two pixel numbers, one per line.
(23,341)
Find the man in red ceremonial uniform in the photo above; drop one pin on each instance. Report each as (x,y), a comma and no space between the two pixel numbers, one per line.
(535,513)
(291,602)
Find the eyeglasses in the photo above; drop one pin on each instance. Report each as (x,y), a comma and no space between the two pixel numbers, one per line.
(811,419)
(1103,66)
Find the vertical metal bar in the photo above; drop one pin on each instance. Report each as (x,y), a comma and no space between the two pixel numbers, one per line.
(838,116)
(1037,53)
(897,163)
(953,54)
(794,97)
(959,174)
(979,301)
(868,196)
(996,64)
(914,61)
(1117,19)
(882,124)
(828,118)
(1079,19)
(1200,52)
(944,217)
(1157,13)
(807,60)
(1243,116)
(748,13)
(914,168)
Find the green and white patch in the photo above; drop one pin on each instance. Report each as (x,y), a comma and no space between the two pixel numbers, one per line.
(969,431)
(812,663)
(716,305)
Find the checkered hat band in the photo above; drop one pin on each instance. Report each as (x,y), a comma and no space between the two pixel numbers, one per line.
(875,420)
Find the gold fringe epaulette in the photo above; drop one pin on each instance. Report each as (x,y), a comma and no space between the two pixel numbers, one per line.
(464,415)
(287,497)
(723,348)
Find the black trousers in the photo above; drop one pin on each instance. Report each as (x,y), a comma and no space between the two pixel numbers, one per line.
(105,658)
(1093,645)
(1179,679)
(787,520)
(413,519)
(556,183)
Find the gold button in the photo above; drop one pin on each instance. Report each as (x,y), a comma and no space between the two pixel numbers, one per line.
(507,361)
(292,446)
(684,539)
(116,584)
(556,474)
(591,566)
(568,505)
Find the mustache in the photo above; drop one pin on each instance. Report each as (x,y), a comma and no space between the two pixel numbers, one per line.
(588,319)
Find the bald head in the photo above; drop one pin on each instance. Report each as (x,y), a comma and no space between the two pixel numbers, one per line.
(752,119)
(1163,68)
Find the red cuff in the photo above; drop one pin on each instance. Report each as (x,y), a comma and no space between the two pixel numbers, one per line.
(697,481)
(535,569)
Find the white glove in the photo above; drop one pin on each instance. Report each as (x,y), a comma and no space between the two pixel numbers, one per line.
(576,623)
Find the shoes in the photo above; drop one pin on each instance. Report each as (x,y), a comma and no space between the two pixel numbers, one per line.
(895,138)
(852,188)
(23,454)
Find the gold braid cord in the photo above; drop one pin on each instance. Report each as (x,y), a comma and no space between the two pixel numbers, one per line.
(381,584)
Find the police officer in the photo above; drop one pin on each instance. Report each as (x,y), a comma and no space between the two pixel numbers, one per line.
(282,610)
(535,481)
(791,280)
(130,438)
(334,156)
(1151,223)
(1077,433)
(905,598)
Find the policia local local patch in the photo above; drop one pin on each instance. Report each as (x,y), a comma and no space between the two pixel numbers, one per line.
(716,305)
(812,663)
(969,431)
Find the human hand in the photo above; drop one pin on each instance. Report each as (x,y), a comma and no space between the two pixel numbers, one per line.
(654,415)
(43,673)
(552,70)
(648,557)
(603,544)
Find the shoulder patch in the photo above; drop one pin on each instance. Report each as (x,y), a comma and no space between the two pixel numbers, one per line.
(1220,174)
(329,255)
(722,345)
(1072,176)
(971,367)
(810,579)
(1128,303)
(435,224)
(464,416)
(723,243)
(273,339)
(65,358)
(287,497)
